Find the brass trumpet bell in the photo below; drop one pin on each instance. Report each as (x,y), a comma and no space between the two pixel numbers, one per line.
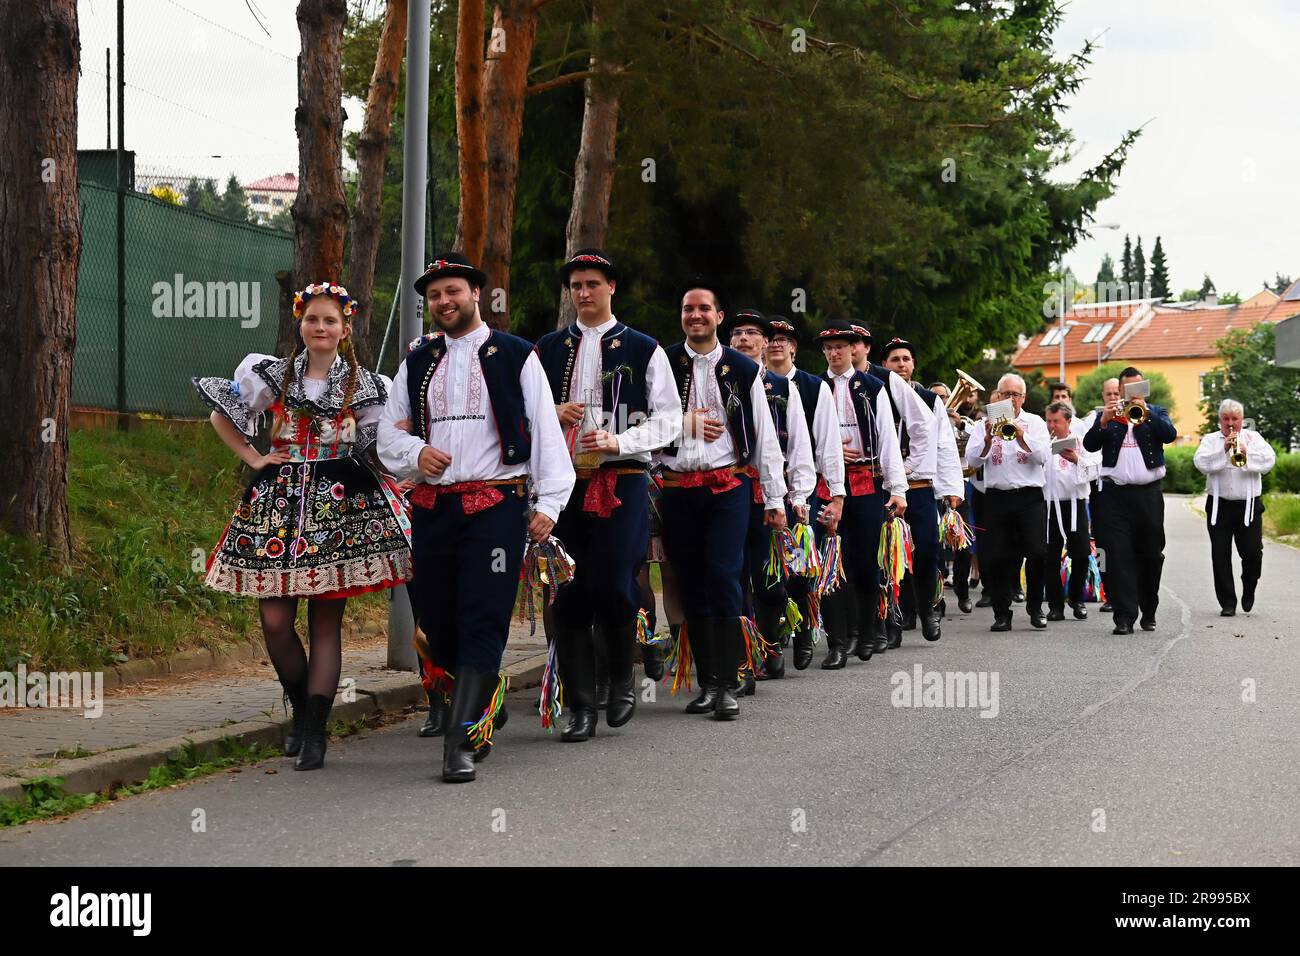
(1135,413)
(1237,459)
(965,389)
(1005,429)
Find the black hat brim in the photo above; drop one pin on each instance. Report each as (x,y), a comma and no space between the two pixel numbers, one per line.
(474,276)
(611,273)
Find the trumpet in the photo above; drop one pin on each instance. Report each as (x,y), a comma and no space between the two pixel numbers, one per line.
(1005,429)
(1236,454)
(1136,413)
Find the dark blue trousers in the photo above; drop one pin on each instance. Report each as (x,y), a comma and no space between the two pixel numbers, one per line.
(704,537)
(467,577)
(758,545)
(608,553)
(923,518)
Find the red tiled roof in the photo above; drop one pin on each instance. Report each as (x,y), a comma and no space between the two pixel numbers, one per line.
(1191,333)
(1076,350)
(287,183)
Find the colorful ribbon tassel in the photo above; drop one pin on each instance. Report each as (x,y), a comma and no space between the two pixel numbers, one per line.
(894,558)
(955,532)
(546,567)
(480,732)
(679,660)
(551,704)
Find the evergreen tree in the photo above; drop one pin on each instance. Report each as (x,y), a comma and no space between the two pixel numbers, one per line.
(234,202)
(1280,283)
(1126,265)
(1159,272)
(203,198)
(192,189)
(1139,272)
(1107,271)
(1207,288)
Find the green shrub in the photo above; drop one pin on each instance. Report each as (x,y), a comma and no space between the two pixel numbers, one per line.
(1282,514)
(1285,475)
(1181,476)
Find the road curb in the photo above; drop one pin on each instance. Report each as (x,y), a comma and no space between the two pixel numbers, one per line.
(131,765)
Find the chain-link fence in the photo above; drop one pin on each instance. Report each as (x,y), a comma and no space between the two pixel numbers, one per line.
(199,294)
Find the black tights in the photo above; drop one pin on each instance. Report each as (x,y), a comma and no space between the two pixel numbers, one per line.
(324,622)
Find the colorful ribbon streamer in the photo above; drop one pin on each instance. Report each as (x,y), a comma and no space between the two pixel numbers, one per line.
(480,732)
(551,704)
(956,533)
(546,567)
(679,660)
(894,558)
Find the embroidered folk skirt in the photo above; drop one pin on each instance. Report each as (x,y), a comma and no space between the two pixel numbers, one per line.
(326,528)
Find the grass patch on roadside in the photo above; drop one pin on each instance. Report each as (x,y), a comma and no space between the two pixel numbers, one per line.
(1282,516)
(145,506)
(44,798)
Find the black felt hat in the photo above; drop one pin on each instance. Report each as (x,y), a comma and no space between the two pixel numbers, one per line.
(897,343)
(450,264)
(780,325)
(746,317)
(589,259)
(840,329)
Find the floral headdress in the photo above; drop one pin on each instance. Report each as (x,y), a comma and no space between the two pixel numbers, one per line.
(331,289)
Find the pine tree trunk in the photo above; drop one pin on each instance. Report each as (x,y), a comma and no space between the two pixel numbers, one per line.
(593,176)
(320,209)
(40,249)
(372,151)
(471,133)
(514,23)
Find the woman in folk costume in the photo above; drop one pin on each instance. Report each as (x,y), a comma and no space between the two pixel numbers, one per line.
(318,520)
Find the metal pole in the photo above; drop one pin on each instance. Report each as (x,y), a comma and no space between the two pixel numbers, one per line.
(401,622)
(1062,317)
(121,220)
(108,98)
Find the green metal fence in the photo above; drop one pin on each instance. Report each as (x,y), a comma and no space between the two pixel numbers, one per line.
(200,292)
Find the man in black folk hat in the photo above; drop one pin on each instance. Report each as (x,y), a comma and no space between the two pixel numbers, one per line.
(483,423)
(875,483)
(749,333)
(937,476)
(826,503)
(728,457)
(615,396)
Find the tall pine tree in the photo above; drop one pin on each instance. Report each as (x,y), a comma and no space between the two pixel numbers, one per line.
(1126,266)
(1207,287)
(1138,290)
(1159,272)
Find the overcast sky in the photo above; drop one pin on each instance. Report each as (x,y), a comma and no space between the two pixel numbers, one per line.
(1216,172)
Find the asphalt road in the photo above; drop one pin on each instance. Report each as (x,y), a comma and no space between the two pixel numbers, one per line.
(1104,751)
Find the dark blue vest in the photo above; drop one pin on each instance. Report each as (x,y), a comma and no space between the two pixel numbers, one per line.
(624,357)
(735,374)
(864,389)
(502,357)
(881,374)
(777,388)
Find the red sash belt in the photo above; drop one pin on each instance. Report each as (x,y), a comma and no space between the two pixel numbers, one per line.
(716,479)
(599,498)
(861,480)
(476,496)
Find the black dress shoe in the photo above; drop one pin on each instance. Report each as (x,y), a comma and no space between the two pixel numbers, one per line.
(893,635)
(703,704)
(602,693)
(1148,623)
(582,725)
(1038,621)
(964,605)
(774,665)
(1018,597)
(835,659)
(748,685)
(725,705)
(1122,627)
(652,662)
(986,600)
(1106,608)
(1001,624)
(1080,612)
(862,647)
(436,723)
(803,650)
(909,621)
(1228,612)
(1056,614)
(930,627)
(1247,600)
(622,703)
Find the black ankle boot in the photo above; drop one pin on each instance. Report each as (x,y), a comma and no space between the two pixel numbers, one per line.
(470,694)
(729,647)
(314,732)
(295,701)
(435,725)
(803,648)
(653,662)
(699,635)
(577,658)
(622,680)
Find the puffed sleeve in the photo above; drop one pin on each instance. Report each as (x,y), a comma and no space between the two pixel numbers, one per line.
(242,398)
(368,416)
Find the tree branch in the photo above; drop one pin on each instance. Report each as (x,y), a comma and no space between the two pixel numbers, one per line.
(562,80)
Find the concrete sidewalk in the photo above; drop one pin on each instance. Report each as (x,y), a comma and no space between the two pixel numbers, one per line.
(143,722)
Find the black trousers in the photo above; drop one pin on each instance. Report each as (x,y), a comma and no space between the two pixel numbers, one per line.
(1076,545)
(1133,536)
(1014,534)
(1249,539)
(920,585)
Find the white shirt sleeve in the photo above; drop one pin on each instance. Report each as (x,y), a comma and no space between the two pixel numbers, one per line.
(948,479)
(399,450)
(1039,441)
(663,425)
(253,390)
(1088,468)
(891,458)
(767,453)
(917,418)
(1209,456)
(801,473)
(549,463)
(830,451)
(1260,457)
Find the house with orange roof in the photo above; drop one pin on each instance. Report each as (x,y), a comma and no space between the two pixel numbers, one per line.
(269,196)
(1175,339)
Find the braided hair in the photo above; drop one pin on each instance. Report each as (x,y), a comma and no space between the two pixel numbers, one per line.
(348,307)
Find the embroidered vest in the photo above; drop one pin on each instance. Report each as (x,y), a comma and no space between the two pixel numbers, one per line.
(863,388)
(810,390)
(735,374)
(881,374)
(777,388)
(624,357)
(502,357)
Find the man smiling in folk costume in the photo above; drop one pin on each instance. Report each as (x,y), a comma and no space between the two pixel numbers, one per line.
(483,422)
